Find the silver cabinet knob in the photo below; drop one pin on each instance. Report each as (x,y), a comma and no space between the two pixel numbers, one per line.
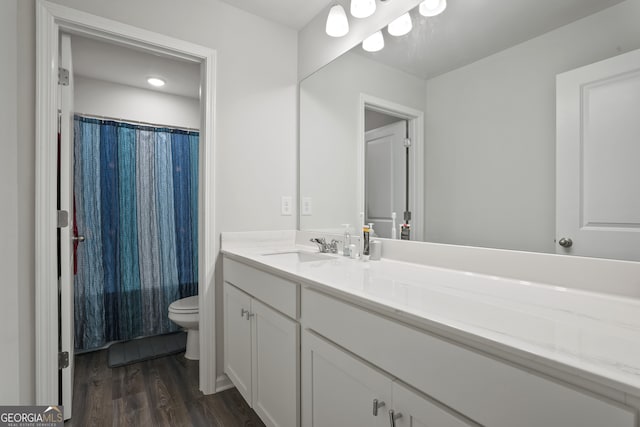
(376,405)
(80,238)
(393,417)
(565,242)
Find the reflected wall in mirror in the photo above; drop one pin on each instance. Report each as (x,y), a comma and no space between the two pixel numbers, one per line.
(484,75)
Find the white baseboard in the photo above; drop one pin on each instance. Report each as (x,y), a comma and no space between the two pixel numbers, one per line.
(223,383)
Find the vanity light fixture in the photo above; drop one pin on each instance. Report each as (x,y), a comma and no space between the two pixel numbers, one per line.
(362,8)
(432,7)
(400,26)
(374,42)
(337,23)
(155,81)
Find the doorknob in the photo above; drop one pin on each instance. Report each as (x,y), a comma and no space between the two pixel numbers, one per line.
(565,242)
(79,238)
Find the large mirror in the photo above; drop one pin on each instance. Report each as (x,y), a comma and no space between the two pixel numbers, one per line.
(474,89)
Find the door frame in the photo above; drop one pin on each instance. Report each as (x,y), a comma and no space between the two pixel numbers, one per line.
(416,162)
(51,19)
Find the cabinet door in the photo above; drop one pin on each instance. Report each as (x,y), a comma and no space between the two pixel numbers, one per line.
(338,389)
(416,410)
(237,339)
(275,366)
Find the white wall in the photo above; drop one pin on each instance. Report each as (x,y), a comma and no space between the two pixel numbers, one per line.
(26,200)
(490,135)
(10,358)
(329,111)
(102,98)
(255,124)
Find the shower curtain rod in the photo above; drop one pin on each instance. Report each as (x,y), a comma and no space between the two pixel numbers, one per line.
(135,122)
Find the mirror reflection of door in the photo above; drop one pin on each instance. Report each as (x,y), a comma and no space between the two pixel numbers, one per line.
(598,146)
(385,171)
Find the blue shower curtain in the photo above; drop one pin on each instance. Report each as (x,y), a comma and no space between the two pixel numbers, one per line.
(136,203)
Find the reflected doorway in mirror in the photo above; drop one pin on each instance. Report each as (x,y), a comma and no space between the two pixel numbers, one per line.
(390,167)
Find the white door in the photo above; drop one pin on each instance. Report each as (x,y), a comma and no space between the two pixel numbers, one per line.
(385,177)
(66,255)
(339,390)
(237,339)
(275,366)
(414,410)
(598,148)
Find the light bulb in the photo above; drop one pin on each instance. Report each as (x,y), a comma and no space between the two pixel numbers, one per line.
(362,8)
(337,23)
(432,7)
(155,81)
(400,26)
(374,42)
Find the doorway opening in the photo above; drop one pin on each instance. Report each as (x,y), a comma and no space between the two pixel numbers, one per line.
(390,164)
(128,175)
(53,21)
(386,175)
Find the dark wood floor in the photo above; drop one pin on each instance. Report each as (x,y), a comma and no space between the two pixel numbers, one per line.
(159,392)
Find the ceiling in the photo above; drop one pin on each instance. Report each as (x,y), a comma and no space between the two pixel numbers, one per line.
(469,30)
(292,13)
(117,64)
(466,32)
(131,67)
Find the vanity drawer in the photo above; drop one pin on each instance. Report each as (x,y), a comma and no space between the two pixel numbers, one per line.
(275,291)
(487,390)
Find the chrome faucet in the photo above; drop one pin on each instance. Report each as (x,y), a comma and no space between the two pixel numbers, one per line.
(330,248)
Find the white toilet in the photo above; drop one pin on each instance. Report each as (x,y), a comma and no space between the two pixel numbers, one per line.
(184,312)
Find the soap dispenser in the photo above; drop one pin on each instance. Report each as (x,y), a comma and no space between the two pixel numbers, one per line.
(346,242)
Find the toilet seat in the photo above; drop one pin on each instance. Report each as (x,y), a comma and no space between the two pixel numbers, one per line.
(187,305)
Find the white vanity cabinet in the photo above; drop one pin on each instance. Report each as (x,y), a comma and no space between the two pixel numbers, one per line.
(261,343)
(341,390)
(479,387)
(415,410)
(313,355)
(237,339)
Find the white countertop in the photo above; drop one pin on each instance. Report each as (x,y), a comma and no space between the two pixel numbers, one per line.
(586,334)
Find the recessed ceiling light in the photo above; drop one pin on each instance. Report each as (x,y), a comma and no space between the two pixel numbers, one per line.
(155,81)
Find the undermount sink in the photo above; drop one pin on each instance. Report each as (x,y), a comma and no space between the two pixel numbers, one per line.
(301,256)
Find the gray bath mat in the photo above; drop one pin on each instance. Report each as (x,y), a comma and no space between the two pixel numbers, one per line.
(140,349)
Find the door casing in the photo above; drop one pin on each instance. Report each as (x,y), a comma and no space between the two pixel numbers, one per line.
(51,20)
